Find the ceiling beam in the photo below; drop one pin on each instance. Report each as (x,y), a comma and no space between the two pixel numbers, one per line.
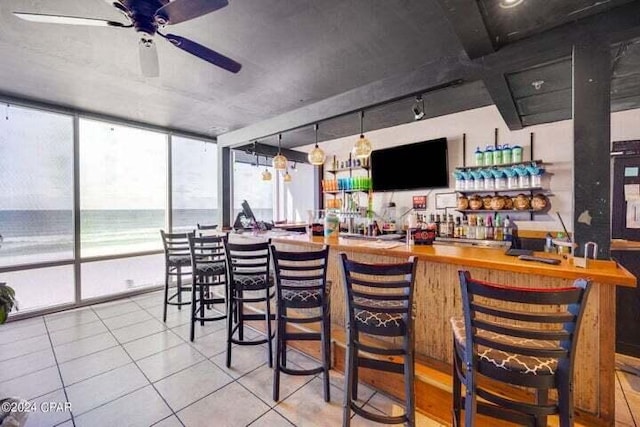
(617,25)
(466,20)
(271,151)
(501,95)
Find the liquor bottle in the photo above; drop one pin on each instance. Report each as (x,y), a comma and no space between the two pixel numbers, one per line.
(432,230)
(438,226)
(480,229)
(450,226)
(489,228)
(471,232)
(498,233)
(508,231)
(457,228)
(465,228)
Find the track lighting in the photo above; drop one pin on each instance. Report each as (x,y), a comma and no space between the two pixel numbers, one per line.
(418,108)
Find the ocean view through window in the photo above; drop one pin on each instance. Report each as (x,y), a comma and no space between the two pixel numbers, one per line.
(122,188)
(194,186)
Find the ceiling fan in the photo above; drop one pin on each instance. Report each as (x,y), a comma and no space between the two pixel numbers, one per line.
(148,17)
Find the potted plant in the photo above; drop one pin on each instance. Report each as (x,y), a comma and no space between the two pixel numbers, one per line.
(7,301)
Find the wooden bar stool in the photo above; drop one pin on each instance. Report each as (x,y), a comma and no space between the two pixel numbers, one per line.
(177,262)
(208,270)
(379,300)
(519,336)
(248,272)
(301,285)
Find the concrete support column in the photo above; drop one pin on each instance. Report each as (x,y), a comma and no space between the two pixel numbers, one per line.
(592,140)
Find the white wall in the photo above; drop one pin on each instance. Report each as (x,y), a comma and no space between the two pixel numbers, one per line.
(553,143)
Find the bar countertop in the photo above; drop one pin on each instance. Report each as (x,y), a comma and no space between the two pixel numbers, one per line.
(602,271)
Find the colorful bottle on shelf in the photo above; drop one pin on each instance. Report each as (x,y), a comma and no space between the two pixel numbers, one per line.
(497,156)
(488,156)
(479,157)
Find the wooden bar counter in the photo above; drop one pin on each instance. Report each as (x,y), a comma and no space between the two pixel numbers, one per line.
(437,295)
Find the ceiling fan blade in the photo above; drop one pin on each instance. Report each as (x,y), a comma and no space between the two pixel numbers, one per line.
(182,10)
(148,58)
(66,20)
(203,52)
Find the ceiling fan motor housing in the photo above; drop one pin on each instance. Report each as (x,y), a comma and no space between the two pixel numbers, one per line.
(143,14)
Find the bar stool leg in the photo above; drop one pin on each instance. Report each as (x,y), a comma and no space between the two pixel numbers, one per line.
(565,400)
(230,314)
(348,383)
(179,285)
(240,309)
(409,376)
(202,301)
(354,373)
(268,325)
(470,404)
(166,294)
(280,326)
(325,340)
(193,312)
(457,389)
(542,398)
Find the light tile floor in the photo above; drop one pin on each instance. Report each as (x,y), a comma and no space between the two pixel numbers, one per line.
(118,364)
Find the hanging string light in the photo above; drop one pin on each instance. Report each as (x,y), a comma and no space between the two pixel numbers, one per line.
(316,156)
(287,177)
(362,149)
(280,161)
(266,175)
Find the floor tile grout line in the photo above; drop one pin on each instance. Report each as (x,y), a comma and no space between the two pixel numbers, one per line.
(64,389)
(626,400)
(282,415)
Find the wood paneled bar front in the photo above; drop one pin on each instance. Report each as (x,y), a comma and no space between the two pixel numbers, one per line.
(437,296)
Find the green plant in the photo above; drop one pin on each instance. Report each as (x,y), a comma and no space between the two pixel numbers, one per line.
(7,301)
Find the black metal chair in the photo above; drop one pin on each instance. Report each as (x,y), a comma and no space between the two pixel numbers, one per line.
(207,227)
(379,300)
(519,336)
(301,285)
(177,263)
(248,271)
(208,270)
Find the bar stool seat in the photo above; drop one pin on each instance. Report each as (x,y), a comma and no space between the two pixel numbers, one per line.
(211,268)
(179,260)
(375,322)
(253,283)
(509,361)
(301,298)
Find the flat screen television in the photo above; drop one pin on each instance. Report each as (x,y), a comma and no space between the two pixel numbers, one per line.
(411,166)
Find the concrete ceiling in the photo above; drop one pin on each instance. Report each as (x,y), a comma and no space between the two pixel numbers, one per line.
(294,53)
(307,61)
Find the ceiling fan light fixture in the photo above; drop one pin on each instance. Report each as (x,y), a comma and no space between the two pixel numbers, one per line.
(363,146)
(507,4)
(316,155)
(280,161)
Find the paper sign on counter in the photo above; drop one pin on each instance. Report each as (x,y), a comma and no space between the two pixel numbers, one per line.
(633,213)
(631,191)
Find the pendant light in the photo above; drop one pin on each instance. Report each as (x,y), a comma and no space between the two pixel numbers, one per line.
(266,175)
(280,161)
(287,177)
(316,156)
(362,149)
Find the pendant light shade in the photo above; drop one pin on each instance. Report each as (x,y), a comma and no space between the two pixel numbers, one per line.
(317,156)
(287,177)
(266,175)
(280,161)
(363,148)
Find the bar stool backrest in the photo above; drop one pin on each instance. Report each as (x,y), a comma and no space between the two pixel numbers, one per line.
(300,271)
(247,260)
(207,249)
(540,323)
(176,245)
(380,288)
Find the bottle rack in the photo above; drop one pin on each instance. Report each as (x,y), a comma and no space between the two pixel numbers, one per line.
(506,191)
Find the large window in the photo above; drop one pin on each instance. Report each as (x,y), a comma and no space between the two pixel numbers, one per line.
(248,185)
(122,188)
(194,175)
(36,186)
(297,196)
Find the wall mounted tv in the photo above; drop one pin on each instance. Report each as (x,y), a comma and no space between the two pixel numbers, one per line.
(412,166)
